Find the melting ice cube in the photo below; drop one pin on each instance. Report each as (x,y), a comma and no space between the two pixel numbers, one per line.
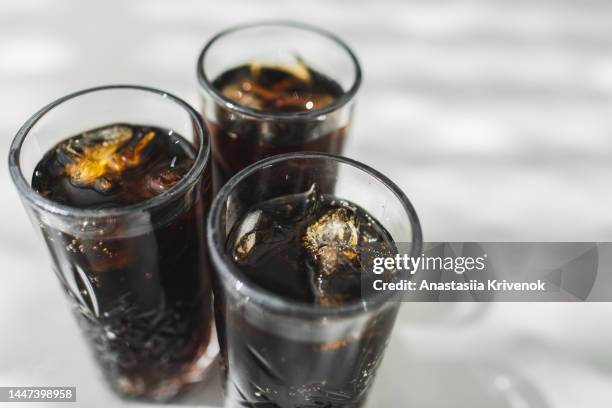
(162,179)
(333,239)
(99,156)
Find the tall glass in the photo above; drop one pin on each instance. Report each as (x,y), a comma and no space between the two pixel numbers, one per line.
(242,135)
(281,353)
(137,276)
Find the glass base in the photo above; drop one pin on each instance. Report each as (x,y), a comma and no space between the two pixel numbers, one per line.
(133,388)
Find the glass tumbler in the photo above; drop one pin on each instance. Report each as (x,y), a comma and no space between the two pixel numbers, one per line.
(281,353)
(137,276)
(242,135)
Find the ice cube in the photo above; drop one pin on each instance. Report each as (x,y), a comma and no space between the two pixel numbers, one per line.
(333,239)
(272,224)
(99,156)
(164,178)
(241,94)
(247,235)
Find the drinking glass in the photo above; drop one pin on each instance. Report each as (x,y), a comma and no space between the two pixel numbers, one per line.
(137,276)
(242,135)
(278,352)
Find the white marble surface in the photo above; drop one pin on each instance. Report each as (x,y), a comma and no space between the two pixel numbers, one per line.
(493,115)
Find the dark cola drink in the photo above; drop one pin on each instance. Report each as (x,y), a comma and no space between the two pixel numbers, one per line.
(307,248)
(241,139)
(139,284)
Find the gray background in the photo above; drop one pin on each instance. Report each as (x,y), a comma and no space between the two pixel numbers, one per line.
(492,115)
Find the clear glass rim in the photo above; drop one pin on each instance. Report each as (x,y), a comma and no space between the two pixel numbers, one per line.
(38,201)
(206,82)
(231,273)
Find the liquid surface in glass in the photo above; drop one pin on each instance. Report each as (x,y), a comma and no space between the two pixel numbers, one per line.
(113,166)
(278,88)
(239,140)
(307,247)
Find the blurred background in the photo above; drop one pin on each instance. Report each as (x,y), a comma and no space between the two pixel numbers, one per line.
(492,115)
